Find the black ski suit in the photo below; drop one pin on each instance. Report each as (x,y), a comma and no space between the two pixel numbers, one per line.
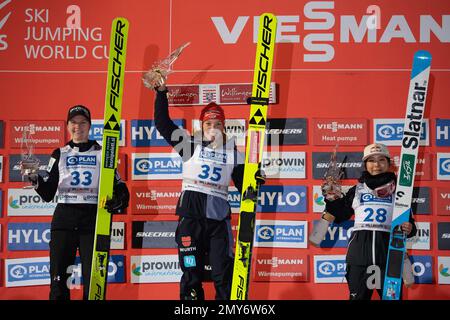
(73,226)
(201,232)
(366,247)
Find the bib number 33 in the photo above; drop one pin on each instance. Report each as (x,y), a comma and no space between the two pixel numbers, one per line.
(84,178)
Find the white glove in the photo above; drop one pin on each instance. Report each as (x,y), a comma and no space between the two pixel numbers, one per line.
(320,229)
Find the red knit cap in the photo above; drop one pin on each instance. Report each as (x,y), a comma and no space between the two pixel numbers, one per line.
(212,111)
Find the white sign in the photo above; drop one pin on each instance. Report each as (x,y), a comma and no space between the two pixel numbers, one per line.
(421,241)
(443,270)
(284,165)
(155,269)
(118,235)
(26,202)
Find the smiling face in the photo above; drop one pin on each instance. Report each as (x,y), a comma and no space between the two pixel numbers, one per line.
(377,164)
(212,129)
(78,128)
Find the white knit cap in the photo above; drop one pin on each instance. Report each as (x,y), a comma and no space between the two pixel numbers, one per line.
(376,149)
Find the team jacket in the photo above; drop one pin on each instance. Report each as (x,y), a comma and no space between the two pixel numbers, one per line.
(206,171)
(369,242)
(73,177)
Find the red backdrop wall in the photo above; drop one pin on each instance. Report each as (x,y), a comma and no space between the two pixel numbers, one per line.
(354,77)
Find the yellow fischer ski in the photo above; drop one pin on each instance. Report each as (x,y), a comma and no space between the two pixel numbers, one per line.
(110,148)
(253,154)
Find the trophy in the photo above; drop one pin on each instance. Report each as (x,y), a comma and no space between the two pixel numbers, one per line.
(29,165)
(331,187)
(157,75)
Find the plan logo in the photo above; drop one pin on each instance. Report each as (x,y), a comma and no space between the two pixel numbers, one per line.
(281,234)
(329,269)
(390,132)
(443,166)
(422,268)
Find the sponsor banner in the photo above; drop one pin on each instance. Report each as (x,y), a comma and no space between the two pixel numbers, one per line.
(282,199)
(43,133)
(284,165)
(421,200)
(154,234)
(14,168)
(155,269)
(116,271)
(156,166)
(350,161)
(2,134)
(226,93)
(28,236)
(443,270)
(318,199)
(118,235)
(443,166)
(423,165)
(145,134)
(1,168)
(338,234)
(234,199)
(122,166)
(281,266)
(422,268)
(36,271)
(26,202)
(422,239)
(442,132)
(343,132)
(444,235)
(292,131)
(155,199)
(1,203)
(27,272)
(96,131)
(443,201)
(273,199)
(281,234)
(390,132)
(329,269)
(234,128)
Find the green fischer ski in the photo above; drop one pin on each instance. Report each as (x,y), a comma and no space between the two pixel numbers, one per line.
(253,155)
(110,148)
(415,110)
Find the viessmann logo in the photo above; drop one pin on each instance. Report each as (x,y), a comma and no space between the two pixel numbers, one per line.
(320,29)
(4,19)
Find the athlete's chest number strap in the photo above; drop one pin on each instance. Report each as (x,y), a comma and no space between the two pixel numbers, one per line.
(215,175)
(85,180)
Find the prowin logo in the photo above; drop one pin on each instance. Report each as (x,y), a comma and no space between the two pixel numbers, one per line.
(3,43)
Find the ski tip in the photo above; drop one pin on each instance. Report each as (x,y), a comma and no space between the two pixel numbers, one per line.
(422,55)
(422,61)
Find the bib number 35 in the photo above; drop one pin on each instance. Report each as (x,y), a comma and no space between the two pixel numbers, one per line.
(206,173)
